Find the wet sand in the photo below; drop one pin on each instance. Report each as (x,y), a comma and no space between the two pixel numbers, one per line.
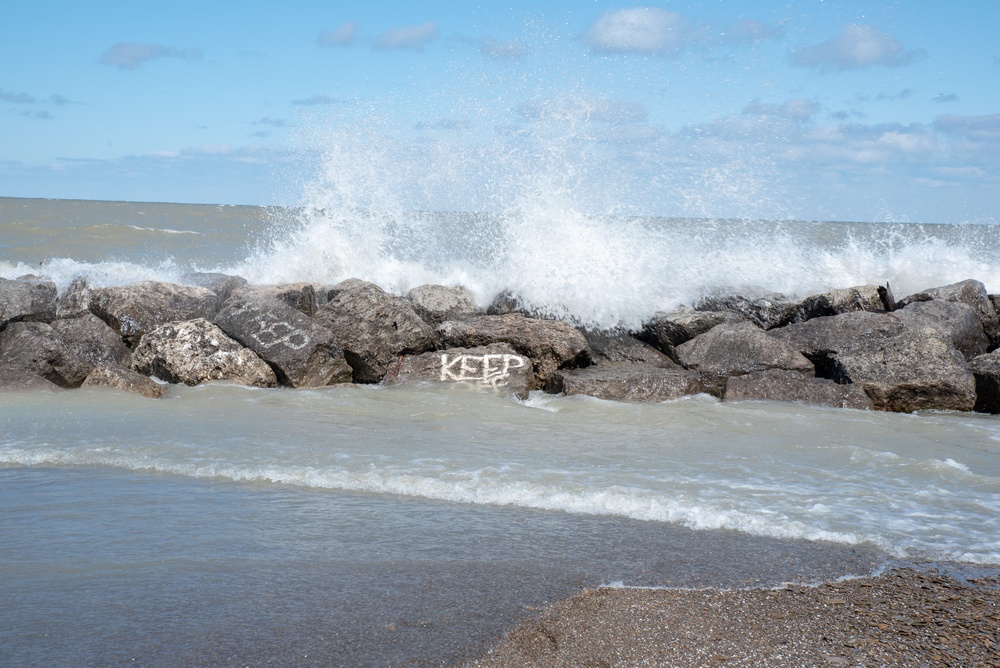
(904,617)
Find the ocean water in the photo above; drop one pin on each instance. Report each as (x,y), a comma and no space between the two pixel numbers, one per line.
(388,526)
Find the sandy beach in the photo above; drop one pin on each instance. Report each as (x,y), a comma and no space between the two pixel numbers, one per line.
(904,617)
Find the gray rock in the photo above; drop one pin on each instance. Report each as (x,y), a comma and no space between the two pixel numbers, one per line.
(494,367)
(17,378)
(835,302)
(221,284)
(971,293)
(374,328)
(914,370)
(504,303)
(767,312)
(550,344)
(91,341)
(27,300)
(615,347)
(133,310)
(120,378)
(666,331)
(437,303)
(782,385)
(626,382)
(75,300)
(986,370)
(195,352)
(36,347)
(953,319)
(300,296)
(734,350)
(822,339)
(301,352)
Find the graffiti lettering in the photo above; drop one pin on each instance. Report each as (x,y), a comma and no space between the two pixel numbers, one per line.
(491,370)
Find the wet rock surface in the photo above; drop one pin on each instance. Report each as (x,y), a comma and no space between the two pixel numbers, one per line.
(495,367)
(133,310)
(626,382)
(27,299)
(783,385)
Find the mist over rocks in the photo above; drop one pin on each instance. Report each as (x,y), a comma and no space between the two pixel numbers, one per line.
(851,348)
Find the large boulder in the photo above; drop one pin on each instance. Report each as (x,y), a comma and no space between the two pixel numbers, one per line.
(835,302)
(221,284)
(121,378)
(494,367)
(64,352)
(666,331)
(133,310)
(195,352)
(783,385)
(74,301)
(28,299)
(619,347)
(17,379)
(734,350)
(300,296)
(374,328)
(626,382)
(301,352)
(767,312)
(437,303)
(953,319)
(550,344)
(986,370)
(971,293)
(822,339)
(914,370)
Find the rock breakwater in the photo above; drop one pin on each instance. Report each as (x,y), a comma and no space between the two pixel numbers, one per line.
(854,347)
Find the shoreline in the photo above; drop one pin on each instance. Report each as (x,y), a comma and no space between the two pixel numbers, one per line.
(908,615)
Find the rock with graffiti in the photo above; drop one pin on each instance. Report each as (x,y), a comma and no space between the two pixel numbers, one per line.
(495,367)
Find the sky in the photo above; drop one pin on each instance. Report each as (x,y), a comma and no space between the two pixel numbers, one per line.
(815,110)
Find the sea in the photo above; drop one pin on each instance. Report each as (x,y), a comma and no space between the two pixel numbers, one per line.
(378,526)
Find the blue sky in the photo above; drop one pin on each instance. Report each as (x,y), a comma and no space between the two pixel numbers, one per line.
(804,109)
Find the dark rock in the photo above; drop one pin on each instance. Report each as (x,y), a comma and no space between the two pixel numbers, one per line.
(75,300)
(822,339)
(36,347)
(666,331)
(782,385)
(437,303)
(91,341)
(496,367)
(986,370)
(767,312)
(221,284)
(615,347)
(17,378)
(133,310)
(626,382)
(121,378)
(888,301)
(734,350)
(550,344)
(914,370)
(971,293)
(835,302)
(953,319)
(505,303)
(300,296)
(195,352)
(301,352)
(27,300)
(374,328)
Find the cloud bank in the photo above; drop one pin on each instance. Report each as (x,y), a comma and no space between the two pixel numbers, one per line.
(856,47)
(342,36)
(412,38)
(132,56)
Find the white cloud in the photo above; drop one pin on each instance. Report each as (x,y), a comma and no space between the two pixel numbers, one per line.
(342,36)
(316,101)
(856,47)
(16,98)
(131,56)
(502,50)
(641,29)
(799,109)
(748,31)
(945,97)
(601,109)
(973,127)
(407,38)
